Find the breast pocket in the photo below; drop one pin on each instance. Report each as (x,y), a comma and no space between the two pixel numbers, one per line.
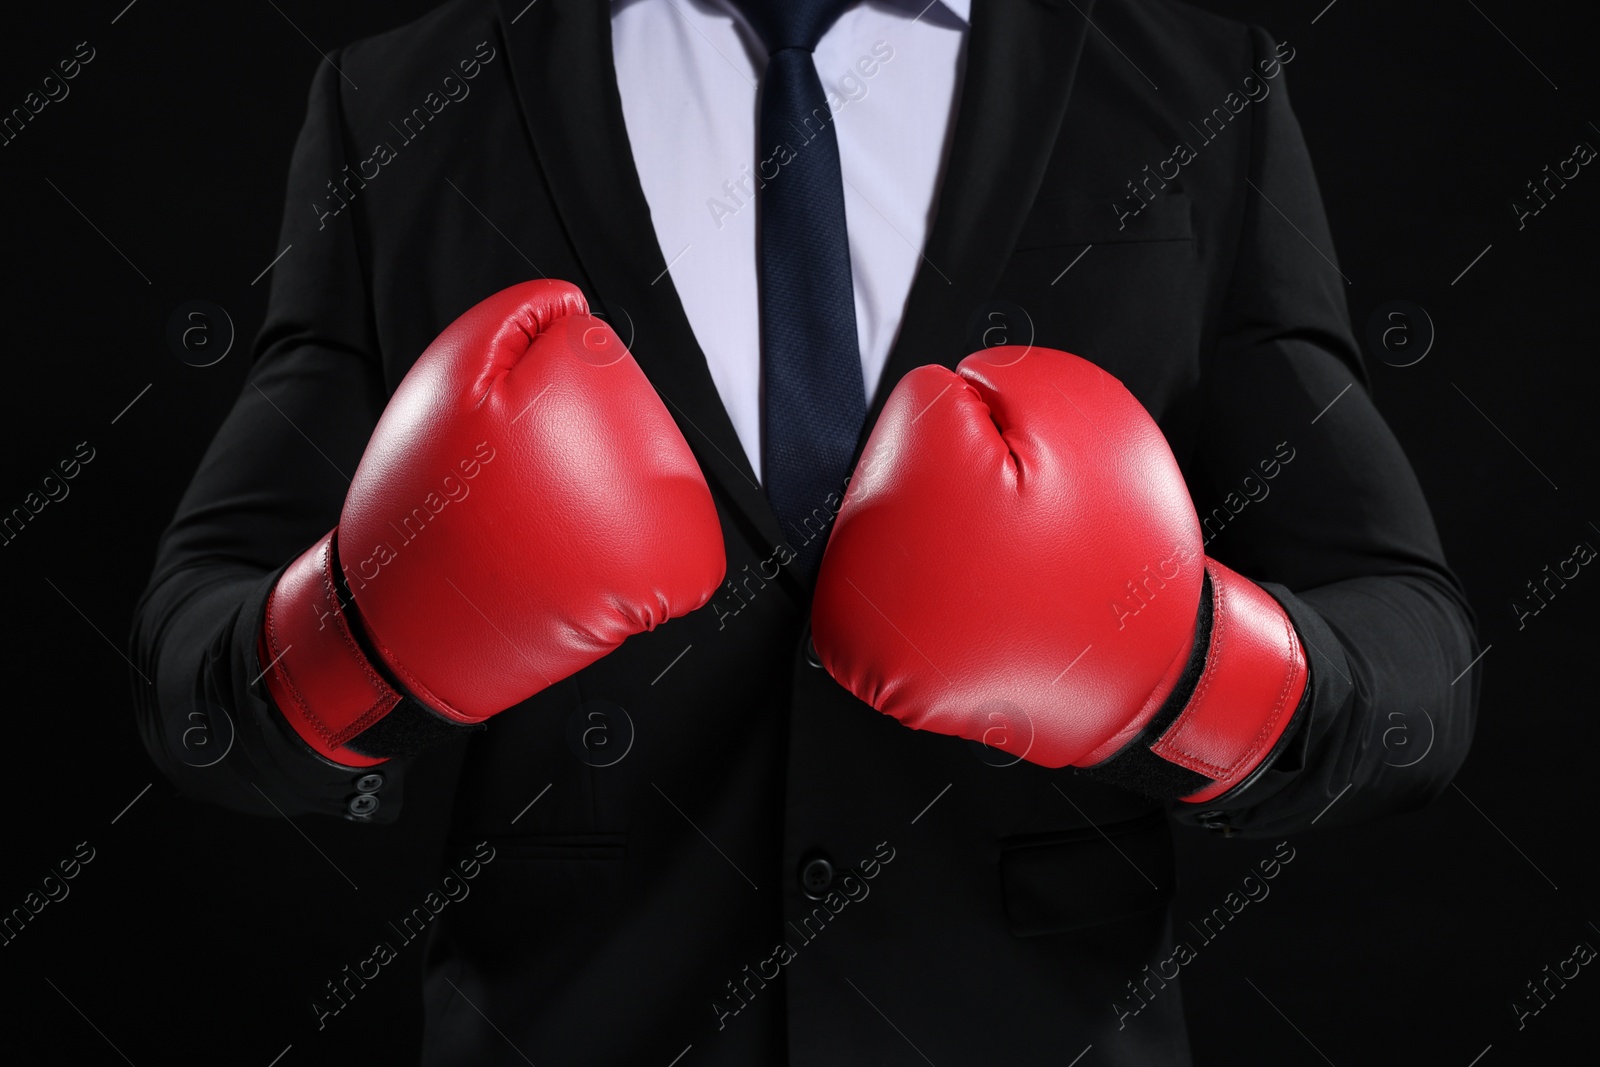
(1080,221)
(1130,296)
(541,902)
(1061,882)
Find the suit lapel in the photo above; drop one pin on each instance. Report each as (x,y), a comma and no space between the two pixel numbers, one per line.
(1022,56)
(561,65)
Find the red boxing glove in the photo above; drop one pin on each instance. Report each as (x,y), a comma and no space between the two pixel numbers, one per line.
(1018,562)
(524,505)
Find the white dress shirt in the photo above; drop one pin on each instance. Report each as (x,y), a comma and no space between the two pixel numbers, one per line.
(688,72)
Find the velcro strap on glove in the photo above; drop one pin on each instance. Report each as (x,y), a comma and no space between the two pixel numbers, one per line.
(1239,691)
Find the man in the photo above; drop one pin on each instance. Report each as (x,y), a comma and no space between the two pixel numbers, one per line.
(740,852)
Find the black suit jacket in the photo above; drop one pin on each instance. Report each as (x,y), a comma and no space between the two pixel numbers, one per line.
(979,911)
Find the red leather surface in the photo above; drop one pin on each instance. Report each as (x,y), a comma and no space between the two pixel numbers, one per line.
(524,505)
(1254,676)
(312,666)
(591,522)
(1016,560)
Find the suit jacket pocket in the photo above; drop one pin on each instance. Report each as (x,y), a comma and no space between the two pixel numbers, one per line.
(1060,882)
(541,904)
(1081,221)
(559,847)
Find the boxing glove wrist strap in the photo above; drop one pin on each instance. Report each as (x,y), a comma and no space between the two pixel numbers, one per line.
(324,676)
(1245,677)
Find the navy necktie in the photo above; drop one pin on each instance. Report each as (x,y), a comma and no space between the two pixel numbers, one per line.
(813,398)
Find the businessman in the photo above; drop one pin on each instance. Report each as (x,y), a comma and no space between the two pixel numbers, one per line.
(878,464)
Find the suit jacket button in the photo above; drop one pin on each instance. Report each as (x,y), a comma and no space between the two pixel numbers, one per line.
(816,875)
(811,652)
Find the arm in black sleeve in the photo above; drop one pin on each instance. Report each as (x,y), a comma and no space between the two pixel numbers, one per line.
(1301,486)
(271,483)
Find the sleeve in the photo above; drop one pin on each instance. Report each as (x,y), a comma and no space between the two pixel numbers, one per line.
(1302,486)
(272,481)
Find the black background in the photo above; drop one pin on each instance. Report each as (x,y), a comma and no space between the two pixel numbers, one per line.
(198,934)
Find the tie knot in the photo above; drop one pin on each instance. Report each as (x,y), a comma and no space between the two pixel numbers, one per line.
(791,23)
